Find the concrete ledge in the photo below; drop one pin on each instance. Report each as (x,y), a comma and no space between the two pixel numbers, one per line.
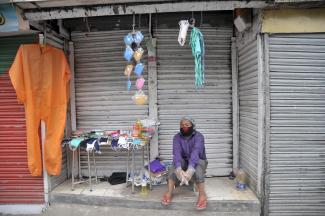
(221,192)
(213,205)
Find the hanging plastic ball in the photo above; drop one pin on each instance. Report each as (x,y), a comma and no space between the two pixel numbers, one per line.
(128,53)
(138,69)
(138,37)
(138,54)
(128,85)
(128,70)
(128,39)
(140,83)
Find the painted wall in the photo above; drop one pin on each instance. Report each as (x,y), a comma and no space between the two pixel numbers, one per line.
(294,20)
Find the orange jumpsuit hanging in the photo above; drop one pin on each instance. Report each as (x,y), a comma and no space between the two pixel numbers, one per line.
(40,76)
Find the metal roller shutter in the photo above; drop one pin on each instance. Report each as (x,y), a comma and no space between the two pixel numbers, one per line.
(102,101)
(210,106)
(248,99)
(17,186)
(297,135)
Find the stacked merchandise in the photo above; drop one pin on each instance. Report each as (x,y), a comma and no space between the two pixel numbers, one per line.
(158,172)
(138,137)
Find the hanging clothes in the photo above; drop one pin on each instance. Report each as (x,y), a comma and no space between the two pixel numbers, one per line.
(198,52)
(40,76)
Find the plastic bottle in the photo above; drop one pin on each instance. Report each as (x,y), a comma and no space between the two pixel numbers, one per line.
(144,188)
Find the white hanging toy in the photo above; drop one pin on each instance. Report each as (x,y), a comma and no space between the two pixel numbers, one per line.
(183,27)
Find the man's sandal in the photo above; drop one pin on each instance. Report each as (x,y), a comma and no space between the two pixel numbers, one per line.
(166,200)
(201,203)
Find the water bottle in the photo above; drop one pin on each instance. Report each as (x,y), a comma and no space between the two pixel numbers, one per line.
(144,188)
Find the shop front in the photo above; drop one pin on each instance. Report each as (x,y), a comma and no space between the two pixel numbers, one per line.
(260,108)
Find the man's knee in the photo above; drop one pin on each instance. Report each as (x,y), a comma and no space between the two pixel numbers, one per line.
(200,171)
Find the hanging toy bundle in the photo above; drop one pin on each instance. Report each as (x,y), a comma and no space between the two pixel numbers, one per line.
(133,54)
(198,50)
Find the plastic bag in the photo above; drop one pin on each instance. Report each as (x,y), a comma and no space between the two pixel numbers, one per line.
(138,54)
(140,83)
(128,53)
(138,37)
(128,39)
(138,69)
(139,98)
(128,70)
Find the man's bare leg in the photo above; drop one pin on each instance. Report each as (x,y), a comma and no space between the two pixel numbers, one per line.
(202,199)
(171,186)
(168,195)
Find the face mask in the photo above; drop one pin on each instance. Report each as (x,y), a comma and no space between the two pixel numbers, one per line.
(186,131)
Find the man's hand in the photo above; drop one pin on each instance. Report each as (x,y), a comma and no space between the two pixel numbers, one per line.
(184,180)
(189,173)
(178,173)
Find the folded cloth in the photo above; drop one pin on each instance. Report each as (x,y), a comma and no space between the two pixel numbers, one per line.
(156,166)
(74,144)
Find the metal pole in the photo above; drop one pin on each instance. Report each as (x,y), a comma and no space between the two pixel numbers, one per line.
(79,164)
(127,168)
(95,166)
(72,186)
(132,172)
(90,186)
(148,153)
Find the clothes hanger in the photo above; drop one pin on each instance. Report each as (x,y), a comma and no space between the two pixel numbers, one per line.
(42,37)
(192,22)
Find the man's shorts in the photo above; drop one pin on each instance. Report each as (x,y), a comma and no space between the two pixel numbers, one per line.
(198,176)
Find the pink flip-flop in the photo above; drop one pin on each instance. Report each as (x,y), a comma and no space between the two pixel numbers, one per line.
(201,204)
(166,200)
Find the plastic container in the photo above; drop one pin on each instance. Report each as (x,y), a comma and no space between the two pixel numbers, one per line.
(144,188)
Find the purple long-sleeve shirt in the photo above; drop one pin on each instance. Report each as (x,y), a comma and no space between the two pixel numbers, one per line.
(190,149)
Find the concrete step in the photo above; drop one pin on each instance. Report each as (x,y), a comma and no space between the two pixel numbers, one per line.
(222,198)
(60,209)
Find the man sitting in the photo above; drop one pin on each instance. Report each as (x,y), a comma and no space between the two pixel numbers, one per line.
(189,162)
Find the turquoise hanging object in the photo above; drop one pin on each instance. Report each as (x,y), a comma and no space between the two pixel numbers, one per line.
(198,51)
(128,85)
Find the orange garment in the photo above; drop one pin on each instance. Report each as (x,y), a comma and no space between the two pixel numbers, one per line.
(40,76)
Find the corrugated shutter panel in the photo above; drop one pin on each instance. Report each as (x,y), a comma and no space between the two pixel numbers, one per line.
(102,101)
(17,186)
(210,106)
(248,97)
(297,92)
(58,42)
